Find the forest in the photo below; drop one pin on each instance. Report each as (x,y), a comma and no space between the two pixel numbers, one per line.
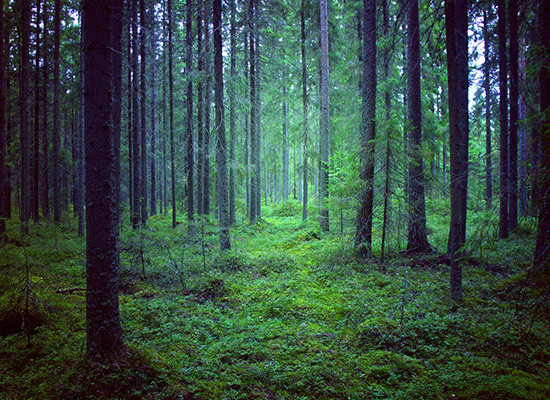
(275,199)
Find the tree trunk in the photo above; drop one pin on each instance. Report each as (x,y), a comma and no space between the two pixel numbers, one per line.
(136,216)
(363,233)
(104,332)
(324,123)
(522,137)
(153,116)
(200,110)
(36,149)
(206,143)
(417,238)
(488,145)
(189,120)
(285,144)
(45,123)
(503,109)
(514,109)
(56,117)
(24,116)
(171,114)
(456,21)
(232,116)
(164,120)
(542,250)
(143,113)
(221,156)
(304,111)
(3,191)
(254,179)
(80,190)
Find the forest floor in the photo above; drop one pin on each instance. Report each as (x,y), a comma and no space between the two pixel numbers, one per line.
(289,313)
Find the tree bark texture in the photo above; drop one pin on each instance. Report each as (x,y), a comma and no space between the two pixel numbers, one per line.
(143,112)
(514,111)
(503,109)
(324,143)
(3,191)
(232,116)
(304,112)
(136,127)
(488,140)
(56,117)
(189,119)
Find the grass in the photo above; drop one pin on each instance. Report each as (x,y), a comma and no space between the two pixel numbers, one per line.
(287,314)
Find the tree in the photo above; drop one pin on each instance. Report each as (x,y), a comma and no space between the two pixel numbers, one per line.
(153,115)
(324,123)
(143,114)
(363,234)
(503,109)
(136,156)
(36,141)
(189,120)
(221,151)
(171,113)
(541,263)
(417,238)
(45,121)
(232,116)
(24,116)
(514,110)
(3,191)
(304,108)
(456,27)
(56,117)
(200,109)
(487,84)
(255,167)
(103,329)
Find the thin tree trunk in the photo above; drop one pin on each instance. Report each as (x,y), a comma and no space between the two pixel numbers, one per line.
(522,137)
(304,109)
(171,113)
(164,120)
(200,109)
(488,145)
(80,190)
(324,123)
(24,116)
(232,116)
(285,144)
(363,235)
(189,120)
(136,216)
(143,113)
(514,108)
(254,181)
(153,114)
(3,191)
(56,117)
(45,123)
(130,115)
(208,90)
(503,108)
(221,156)
(36,149)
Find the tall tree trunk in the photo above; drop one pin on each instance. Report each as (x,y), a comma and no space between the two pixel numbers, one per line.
(487,84)
(153,116)
(104,332)
(248,112)
(221,156)
(136,216)
(503,109)
(24,116)
(171,114)
(45,121)
(456,24)
(208,90)
(143,113)
(3,191)
(324,142)
(80,191)
(254,179)
(304,109)
(232,116)
(56,117)
(514,109)
(189,120)
(164,119)
(200,110)
(36,149)
(363,234)
(417,237)
(522,137)
(541,263)
(285,144)
(130,117)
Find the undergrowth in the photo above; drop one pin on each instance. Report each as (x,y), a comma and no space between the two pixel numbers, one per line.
(289,313)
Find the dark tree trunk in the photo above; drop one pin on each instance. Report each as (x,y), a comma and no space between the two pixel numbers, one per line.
(488,145)
(304,109)
(206,138)
(456,18)
(254,178)
(417,237)
(36,144)
(200,109)
(24,116)
(324,123)
(104,333)
(514,109)
(171,114)
(232,117)
(136,156)
(363,233)
(153,116)
(80,175)
(285,144)
(522,137)
(189,120)
(56,117)
(45,122)
(3,191)
(143,113)
(503,109)
(130,114)
(542,250)
(221,147)
(164,119)
(248,107)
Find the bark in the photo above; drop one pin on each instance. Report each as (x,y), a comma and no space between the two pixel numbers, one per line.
(56,117)
(522,137)
(456,21)
(285,144)
(164,121)
(104,332)
(417,237)
(136,127)
(503,109)
(130,116)
(206,143)
(36,148)
(80,190)
(143,113)
(363,233)
(189,120)
(3,189)
(221,156)
(232,116)
(514,110)
(247,120)
(304,109)
(254,178)
(45,121)
(24,116)
(200,111)
(153,117)
(542,250)
(324,123)
(171,114)
(487,85)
